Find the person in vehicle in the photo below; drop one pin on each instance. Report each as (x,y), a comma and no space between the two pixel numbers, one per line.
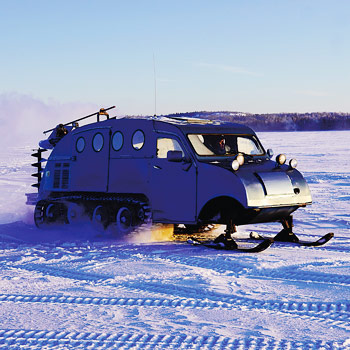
(216,143)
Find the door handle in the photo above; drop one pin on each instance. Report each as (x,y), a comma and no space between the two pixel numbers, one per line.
(157,167)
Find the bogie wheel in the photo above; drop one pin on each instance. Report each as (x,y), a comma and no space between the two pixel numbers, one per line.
(51,212)
(124,220)
(141,215)
(74,213)
(47,213)
(100,218)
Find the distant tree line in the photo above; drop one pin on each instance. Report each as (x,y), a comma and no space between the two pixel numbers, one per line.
(278,121)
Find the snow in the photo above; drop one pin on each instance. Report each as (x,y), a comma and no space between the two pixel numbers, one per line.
(72,288)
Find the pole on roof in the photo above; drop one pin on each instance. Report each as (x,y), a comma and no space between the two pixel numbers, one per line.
(102,111)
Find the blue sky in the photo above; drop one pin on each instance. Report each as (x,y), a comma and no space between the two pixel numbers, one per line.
(250,56)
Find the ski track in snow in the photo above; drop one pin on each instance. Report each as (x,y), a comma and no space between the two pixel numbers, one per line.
(70,289)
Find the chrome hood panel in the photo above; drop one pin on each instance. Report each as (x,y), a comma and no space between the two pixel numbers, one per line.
(264,185)
(273,188)
(276,184)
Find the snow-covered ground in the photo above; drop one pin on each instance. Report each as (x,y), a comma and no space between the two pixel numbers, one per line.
(63,289)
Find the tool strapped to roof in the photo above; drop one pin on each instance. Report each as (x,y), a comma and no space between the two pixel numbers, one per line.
(102,111)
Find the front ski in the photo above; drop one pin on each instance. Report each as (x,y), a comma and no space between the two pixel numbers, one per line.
(321,241)
(233,247)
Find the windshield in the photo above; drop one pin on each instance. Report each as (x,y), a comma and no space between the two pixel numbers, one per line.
(225,144)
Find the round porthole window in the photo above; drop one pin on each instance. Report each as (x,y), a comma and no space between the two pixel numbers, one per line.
(117,141)
(97,142)
(80,144)
(138,139)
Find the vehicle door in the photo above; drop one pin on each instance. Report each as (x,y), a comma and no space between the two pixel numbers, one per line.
(90,166)
(173,182)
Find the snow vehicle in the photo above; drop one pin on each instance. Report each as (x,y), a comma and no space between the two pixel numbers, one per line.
(193,172)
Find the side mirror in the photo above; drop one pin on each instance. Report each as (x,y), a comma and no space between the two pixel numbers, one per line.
(174,156)
(270,153)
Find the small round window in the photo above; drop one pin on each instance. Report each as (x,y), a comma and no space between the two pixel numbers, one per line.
(80,144)
(138,139)
(117,141)
(97,142)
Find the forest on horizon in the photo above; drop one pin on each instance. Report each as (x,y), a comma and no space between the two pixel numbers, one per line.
(278,121)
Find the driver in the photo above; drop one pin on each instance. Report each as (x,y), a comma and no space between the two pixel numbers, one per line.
(219,146)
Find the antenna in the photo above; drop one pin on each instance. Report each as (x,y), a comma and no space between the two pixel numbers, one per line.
(155,86)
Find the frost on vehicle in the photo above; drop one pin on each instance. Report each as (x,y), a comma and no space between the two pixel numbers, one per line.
(124,172)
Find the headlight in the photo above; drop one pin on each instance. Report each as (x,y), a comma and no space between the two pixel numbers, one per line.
(293,163)
(281,159)
(240,158)
(235,165)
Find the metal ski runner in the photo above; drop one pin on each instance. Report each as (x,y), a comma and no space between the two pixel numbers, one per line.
(321,241)
(233,247)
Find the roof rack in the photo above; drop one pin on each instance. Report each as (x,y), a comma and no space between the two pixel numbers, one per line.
(102,111)
(194,120)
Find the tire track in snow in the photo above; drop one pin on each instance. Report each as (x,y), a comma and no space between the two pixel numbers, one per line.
(289,273)
(222,265)
(37,339)
(212,261)
(295,273)
(338,313)
(197,299)
(217,265)
(65,273)
(118,301)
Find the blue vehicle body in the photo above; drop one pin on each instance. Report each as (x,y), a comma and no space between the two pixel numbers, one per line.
(122,170)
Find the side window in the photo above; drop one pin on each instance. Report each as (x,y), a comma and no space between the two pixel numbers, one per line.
(166,144)
(97,142)
(117,141)
(138,139)
(80,144)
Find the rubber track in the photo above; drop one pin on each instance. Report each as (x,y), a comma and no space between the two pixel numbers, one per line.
(37,339)
(120,199)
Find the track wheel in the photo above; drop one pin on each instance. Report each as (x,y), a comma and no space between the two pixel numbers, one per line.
(47,213)
(74,213)
(100,218)
(39,214)
(124,220)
